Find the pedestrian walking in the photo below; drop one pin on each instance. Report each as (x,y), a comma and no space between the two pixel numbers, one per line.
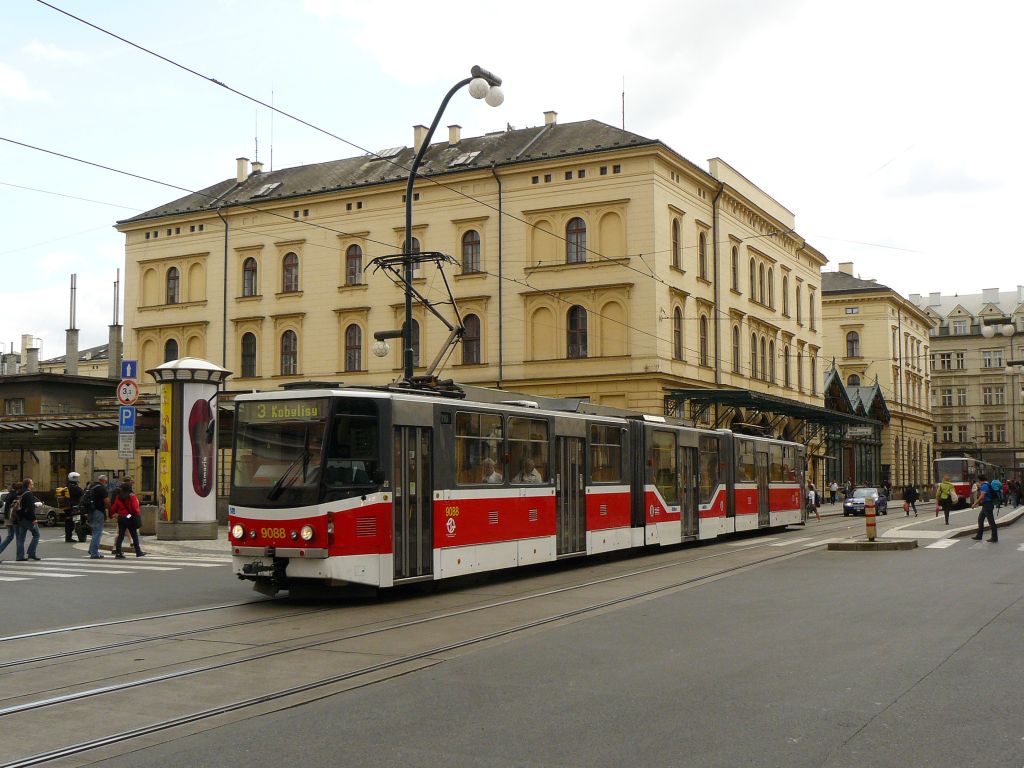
(910,496)
(15,491)
(74,498)
(812,501)
(848,489)
(987,511)
(125,507)
(27,524)
(947,498)
(833,491)
(97,501)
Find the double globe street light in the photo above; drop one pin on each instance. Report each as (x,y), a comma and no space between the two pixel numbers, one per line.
(482,85)
(1012,368)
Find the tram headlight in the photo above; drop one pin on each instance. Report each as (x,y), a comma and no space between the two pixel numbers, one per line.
(237,532)
(306,533)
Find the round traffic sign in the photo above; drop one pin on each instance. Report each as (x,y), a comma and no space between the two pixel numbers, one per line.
(128,392)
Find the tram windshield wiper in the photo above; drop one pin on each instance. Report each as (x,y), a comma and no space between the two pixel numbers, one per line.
(283,481)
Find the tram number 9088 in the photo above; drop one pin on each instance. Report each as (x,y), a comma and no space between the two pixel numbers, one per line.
(273,533)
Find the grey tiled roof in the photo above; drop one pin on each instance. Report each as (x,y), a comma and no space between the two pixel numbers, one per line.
(100,352)
(840,282)
(503,148)
(1009,302)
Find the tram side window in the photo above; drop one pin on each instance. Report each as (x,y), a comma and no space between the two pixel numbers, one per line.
(789,467)
(605,454)
(708,468)
(479,448)
(666,474)
(528,450)
(776,464)
(745,462)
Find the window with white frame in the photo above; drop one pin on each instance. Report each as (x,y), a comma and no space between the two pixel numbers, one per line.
(947,396)
(947,433)
(958,328)
(961,395)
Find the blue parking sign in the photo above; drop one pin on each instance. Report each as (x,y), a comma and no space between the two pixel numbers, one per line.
(126,418)
(129,369)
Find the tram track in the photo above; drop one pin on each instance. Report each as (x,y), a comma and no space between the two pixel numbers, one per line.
(320,687)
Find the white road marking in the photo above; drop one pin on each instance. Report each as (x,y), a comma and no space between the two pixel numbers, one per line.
(789,542)
(942,544)
(750,542)
(12,578)
(39,572)
(823,541)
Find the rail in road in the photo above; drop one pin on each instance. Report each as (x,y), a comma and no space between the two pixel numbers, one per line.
(155,679)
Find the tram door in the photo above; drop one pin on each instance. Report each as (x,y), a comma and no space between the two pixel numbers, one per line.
(689,496)
(413,524)
(571,536)
(761,475)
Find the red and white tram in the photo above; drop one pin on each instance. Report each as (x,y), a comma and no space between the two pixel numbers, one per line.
(391,485)
(963,472)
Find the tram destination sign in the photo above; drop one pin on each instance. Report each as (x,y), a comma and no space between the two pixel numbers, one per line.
(283,410)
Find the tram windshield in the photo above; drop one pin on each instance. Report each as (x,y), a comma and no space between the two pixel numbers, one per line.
(292,453)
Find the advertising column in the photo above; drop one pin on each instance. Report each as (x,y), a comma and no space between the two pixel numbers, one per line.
(187,472)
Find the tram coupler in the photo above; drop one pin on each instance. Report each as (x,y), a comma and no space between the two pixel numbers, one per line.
(869,517)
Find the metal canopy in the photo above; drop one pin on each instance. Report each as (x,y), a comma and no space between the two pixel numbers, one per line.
(759,401)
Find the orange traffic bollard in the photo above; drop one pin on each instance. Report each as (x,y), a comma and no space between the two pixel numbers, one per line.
(869,517)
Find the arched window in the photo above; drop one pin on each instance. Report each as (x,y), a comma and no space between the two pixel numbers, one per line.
(677,251)
(170,350)
(703,340)
(785,367)
(414,247)
(702,255)
(760,284)
(353,348)
(576,332)
(576,242)
(799,298)
(736,349)
(677,334)
(248,355)
(753,356)
(249,285)
(814,375)
(764,359)
(735,268)
(289,353)
(853,344)
(414,342)
(290,273)
(173,281)
(771,361)
(753,280)
(771,288)
(471,341)
(853,380)
(471,252)
(799,370)
(785,295)
(353,265)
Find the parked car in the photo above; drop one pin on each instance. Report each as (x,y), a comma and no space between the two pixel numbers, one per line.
(855,504)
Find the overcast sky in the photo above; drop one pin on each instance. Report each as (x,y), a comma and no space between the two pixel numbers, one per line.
(891,129)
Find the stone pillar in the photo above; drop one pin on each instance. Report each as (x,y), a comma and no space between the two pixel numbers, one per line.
(187,459)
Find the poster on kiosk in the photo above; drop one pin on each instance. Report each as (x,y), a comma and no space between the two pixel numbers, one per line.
(198,453)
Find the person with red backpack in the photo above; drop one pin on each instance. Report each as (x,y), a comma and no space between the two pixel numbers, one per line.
(125,507)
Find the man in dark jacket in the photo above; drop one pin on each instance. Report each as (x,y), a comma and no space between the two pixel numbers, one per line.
(27,521)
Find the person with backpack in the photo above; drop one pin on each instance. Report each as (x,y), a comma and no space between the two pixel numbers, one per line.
(947,497)
(125,507)
(9,515)
(96,501)
(987,511)
(26,509)
(997,492)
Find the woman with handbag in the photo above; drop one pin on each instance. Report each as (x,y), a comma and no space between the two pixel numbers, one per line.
(126,507)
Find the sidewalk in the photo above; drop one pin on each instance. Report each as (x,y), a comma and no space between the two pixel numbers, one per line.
(962,522)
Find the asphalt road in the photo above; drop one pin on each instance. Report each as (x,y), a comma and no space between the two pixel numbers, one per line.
(824,659)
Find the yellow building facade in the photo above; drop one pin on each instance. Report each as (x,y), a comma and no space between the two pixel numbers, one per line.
(585,261)
(873,333)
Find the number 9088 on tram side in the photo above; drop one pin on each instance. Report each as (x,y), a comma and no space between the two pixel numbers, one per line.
(387,486)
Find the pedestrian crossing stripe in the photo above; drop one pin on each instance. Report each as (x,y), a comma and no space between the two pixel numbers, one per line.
(134,562)
(789,542)
(942,544)
(13,578)
(751,542)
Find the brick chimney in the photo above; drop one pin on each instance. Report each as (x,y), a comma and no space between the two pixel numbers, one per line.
(846,267)
(33,360)
(257,167)
(71,352)
(550,117)
(241,169)
(454,134)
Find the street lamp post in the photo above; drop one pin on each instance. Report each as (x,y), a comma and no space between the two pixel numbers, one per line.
(1007,330)
(482,85)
